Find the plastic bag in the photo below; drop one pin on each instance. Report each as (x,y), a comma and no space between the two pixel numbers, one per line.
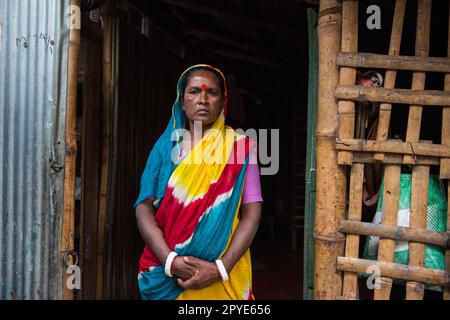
(436,221)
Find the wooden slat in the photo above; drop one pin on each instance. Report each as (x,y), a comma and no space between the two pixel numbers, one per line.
(445,139)
(418,80)
(350,286)
(445,163)
(359,157)
(403,96)
(416,149)
(347,76)
(418,220)
(386,246)
(384,116)
(441,239)
(68,215)
(392,62)
(395,270)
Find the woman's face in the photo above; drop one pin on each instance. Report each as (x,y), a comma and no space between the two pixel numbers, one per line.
(203,99)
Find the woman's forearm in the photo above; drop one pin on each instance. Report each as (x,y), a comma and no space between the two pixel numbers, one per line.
(244,234)
(150,231)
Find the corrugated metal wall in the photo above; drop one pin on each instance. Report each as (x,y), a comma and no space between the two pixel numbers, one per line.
(146,90)
(33,74)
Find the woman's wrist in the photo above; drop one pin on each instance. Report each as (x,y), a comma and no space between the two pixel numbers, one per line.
(169,263)
(223,273)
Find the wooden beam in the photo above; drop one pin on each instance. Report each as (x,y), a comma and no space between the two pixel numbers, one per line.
(391,62)
(395,270)
(367,157)
(67,244)
(441,239)
(418,220)
(404,96)
(445,137)
(386,247)
(445,163)
(418,79)
(347,76)
(417,149)
(350,284)
(331,179)
(384,117)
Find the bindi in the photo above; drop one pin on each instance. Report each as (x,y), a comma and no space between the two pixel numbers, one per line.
(204,87)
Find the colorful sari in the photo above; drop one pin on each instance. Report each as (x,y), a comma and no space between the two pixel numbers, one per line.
(197,207)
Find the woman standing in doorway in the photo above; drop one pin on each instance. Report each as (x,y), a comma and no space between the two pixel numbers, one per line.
(198,218)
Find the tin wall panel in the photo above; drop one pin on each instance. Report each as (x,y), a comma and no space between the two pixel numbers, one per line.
(33,74)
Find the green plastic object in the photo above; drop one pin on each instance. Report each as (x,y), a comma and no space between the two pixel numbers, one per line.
(436,221)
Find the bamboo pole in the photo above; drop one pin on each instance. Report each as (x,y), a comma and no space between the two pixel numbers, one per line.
(368,157)
(445,139)
(413,149)
(386,246)
(415,96)
(347,76)
(390,62)
(441,239)
(384,117)
(395,270)
(418,82)
(350,286)
(420,174)
(68,217)
(445,163)
(418,220)
(331,178)
(107,34)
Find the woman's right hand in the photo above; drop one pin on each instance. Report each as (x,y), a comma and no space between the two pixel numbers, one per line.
(181,269)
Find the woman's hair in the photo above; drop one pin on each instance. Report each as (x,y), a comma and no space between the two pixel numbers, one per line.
(188,76)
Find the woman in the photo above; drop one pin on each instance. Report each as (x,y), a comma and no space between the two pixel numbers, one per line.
(207,212)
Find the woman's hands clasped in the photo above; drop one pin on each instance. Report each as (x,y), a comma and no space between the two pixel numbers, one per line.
(194,273)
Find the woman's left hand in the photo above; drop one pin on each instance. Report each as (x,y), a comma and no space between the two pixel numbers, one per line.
(205,275)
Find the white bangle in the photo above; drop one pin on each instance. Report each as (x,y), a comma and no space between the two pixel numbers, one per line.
(168,264)
(222,270)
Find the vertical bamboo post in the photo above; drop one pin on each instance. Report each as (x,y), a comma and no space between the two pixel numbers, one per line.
(350,286)
(389,79)
(387,246)
(107,34)
(347,75)
(418,220)
(445,163)
(346,112)
(331,178)
(419,191)
(418,82)
(68,217)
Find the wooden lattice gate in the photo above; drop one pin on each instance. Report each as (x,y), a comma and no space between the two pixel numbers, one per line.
(343,149)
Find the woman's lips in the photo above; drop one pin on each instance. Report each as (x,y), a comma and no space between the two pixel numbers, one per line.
(202,112)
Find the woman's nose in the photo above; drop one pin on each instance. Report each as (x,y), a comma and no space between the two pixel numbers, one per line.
(203,97)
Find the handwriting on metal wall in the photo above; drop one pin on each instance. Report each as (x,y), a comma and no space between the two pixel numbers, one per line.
(31,40)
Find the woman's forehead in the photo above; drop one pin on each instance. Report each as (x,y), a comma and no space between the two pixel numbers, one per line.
(201,77)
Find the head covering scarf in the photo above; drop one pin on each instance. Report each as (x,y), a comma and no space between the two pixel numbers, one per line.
(197,204)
